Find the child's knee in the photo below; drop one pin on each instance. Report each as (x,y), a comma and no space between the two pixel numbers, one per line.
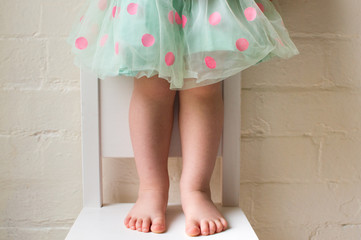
(209,91)
(154,88)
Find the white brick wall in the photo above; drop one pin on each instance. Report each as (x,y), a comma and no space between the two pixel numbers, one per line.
(40,174)
(301,127)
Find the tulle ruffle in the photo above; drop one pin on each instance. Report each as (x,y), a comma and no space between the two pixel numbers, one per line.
(189,43)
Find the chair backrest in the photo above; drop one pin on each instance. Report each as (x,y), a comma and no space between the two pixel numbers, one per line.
(105,133)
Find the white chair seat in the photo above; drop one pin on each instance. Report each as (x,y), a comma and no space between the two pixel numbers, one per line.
(106,223)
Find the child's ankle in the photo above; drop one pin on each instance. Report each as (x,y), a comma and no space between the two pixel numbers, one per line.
(185,189)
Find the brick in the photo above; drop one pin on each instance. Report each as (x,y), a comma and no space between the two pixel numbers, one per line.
(305,70)
(338,232)
(20,158)
(310,113)
(343,62)
(34,233)
(322,63)
(341,156)
(37,111)
(246,201)
(61,67)
(41,157)
(284,233)
(22,62)
(323,16)
(59,16)
(279,159)
(39,203)
(300,204)
(61,157)
(19,17)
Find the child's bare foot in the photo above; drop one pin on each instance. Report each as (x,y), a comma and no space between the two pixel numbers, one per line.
(148,213)
(202,216)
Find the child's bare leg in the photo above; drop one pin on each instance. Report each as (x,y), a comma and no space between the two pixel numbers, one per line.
(201,122)
(150,121)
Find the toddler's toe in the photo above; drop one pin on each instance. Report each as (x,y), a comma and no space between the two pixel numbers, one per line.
(212,227)
(138,224)
(192,228)
(132,223)
(146,225)
(224,223)
(219,226)
(205,227)
(127,220)
(158,225)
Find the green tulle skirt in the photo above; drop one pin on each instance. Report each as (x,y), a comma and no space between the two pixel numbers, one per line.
(189,43)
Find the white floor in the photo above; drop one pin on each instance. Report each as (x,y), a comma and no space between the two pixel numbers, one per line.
(106,223)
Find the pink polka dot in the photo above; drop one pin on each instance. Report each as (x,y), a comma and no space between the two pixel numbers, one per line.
(132,8)
(178,19)
(242,44)
(170,17)
(102,4)
(210,62)
(148,40)
(250,13)
(114,11)
(103,40)
(116,48)
(169,58)
(184,21)
(214,18)
(81,43)
(260,5)
(81,18)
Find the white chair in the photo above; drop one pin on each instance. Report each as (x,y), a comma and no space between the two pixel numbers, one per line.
(105,133)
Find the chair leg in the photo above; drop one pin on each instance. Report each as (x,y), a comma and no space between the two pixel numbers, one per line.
(91,156)
(231,141)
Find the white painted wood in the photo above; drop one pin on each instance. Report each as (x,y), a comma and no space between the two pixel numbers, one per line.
(231,141)
(115,95)
(107,223)
(92,171)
